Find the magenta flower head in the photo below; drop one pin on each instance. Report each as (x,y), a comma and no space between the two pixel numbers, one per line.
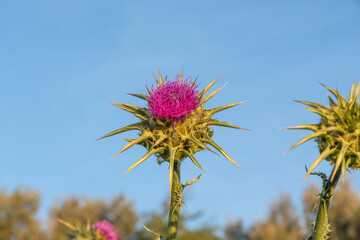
(173,100)
(105,230)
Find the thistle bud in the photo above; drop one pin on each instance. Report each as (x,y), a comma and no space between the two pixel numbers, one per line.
(338,132)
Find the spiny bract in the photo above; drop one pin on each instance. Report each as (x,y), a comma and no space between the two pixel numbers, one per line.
(101,230)
(173,131)
(338,132)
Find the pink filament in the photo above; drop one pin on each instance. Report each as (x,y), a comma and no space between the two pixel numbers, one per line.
(173,100)
(106,229)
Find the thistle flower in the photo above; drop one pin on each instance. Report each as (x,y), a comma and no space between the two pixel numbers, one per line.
(337,133)
(101,230)
(105,230)
(173,100)
(175,125)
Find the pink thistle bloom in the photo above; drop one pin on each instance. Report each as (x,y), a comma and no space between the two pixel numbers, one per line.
(173,100)
(106,230)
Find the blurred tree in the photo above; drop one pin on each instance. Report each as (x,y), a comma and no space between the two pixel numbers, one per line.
(344,216)
(18,222)
(120,212)
(282,223)
(235,231)
(17,215)
(309,199)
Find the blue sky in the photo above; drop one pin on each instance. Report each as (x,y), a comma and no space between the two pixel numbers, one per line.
(62,62)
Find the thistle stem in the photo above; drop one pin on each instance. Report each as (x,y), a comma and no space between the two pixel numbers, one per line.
(321,228)
(176,198)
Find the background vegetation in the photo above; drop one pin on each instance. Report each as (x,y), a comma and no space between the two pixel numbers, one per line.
(18,218)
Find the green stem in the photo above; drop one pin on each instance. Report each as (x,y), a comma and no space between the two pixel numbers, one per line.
(176,197)
(321,228)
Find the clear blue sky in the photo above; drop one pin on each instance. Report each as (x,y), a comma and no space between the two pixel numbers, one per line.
(62,62)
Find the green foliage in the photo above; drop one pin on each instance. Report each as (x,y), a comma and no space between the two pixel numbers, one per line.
(282,223)
(234,230)
(17,215)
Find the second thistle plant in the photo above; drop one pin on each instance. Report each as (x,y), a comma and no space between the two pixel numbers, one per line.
(338,138)
(174,126)
(100,230)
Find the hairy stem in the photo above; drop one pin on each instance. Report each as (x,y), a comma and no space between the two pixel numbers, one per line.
(321,228)
(176,198)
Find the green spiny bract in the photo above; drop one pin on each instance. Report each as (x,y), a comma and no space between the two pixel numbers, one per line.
(338,131)
(174,141)
(80,232)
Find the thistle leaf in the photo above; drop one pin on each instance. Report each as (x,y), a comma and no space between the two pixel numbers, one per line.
(66,224)
(146,156)
(338,114)
(206,89)
(219,109)
(207,98)
(143,137)
(192,138)
(224,124)
(181,75)
(327,152)
(217,147)
(352,91)
(193,84)
(307,138)
(331,101)
(139,95)
(357,93)
(313,105)
(312,127)
(160,78)
(335,129)
(190,182)
(339,159)
(130,107)
(318,111)
(157,82)
(135,110)
(147,89)
(341,100)
(354,96)
(336,94)
(192,158)
(135,126)
(161,138)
